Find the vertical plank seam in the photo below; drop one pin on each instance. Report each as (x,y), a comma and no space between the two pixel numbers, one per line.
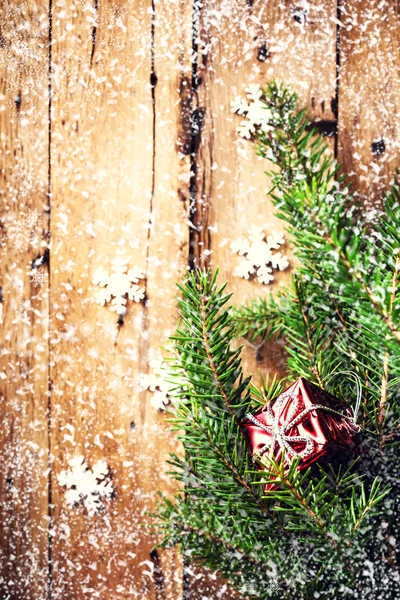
(153,80)
(49,386)
(337,81)
(158,575)
(197,6)
(196,10)
(94,31)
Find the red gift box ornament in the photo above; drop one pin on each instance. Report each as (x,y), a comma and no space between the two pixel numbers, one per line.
(305,421)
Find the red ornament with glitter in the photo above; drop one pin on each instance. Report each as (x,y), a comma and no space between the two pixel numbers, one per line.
(305,421)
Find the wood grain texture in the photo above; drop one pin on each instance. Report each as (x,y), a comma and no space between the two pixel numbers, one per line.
(145,164)
(115,172)
(240,43)
(230,190)
(24,300)
(369,95)
(168,242)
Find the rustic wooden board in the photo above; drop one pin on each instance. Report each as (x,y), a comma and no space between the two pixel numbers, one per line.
(242,43)
(23,299)
(130,122)
(369,95)
(117,180)
(252,42)
(168,248)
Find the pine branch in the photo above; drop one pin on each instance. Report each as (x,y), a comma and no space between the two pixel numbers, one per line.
(212,398)
(385,376)
(384,389)
(232,469)
(216,542)
(210,355)
(360,506)
(374,299)
(342,259)
(317,528)
(260,318)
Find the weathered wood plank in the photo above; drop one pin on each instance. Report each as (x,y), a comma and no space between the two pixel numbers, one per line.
(108,202)
(120,151)
(168,248)
(369,92)
(252,42)
(97,90)
(240,43)
(23,299)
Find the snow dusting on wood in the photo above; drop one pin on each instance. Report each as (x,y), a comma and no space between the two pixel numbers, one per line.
(118,142)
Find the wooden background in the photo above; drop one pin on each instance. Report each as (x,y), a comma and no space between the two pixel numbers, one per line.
(115,126)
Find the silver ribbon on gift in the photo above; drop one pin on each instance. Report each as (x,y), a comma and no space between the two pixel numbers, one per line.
(278,432)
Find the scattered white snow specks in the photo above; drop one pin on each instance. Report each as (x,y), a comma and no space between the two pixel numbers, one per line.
(85,485)
(258,260)
(253,109)
(118,285)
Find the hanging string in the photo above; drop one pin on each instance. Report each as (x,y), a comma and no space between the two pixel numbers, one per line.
(358,386)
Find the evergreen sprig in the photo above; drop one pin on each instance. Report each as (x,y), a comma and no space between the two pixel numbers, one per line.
(316,532)
(343,310)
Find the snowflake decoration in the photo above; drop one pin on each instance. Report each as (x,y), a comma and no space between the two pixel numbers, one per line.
(254,109)
(118,285)
(258,260)
(274,587)
(37,276)
(156,383)
(160,388)
(93,353)
(67,267)
(86,486)
(31,219)
(21,228)
(25,306)
(109,329)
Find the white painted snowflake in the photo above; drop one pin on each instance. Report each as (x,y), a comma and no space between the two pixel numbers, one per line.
(109,329)
(37,276)
(120,284)
(22,229)
(86,486)
(258,260)
(254,109)
(157,383)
